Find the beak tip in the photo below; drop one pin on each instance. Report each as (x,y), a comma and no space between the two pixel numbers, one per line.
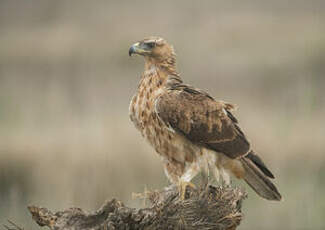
(131,50)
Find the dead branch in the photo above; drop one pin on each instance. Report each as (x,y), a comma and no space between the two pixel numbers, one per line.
(208,208)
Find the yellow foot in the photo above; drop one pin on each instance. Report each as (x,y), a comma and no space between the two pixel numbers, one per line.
(182,188)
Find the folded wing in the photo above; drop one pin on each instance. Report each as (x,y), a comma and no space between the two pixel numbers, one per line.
(202,120)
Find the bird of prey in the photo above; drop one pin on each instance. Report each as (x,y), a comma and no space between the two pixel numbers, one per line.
(188,128)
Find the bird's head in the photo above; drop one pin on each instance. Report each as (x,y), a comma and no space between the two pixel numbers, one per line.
(156,51)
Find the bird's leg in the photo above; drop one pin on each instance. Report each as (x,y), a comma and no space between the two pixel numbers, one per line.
(225,182)
(182,188)
(205,179)
(208,178)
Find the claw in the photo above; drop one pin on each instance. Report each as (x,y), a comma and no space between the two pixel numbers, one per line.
(182,188)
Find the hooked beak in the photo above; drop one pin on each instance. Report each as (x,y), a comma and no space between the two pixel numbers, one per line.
(137,48)
(132,50)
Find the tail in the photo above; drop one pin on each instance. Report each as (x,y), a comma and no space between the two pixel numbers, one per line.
(256,176)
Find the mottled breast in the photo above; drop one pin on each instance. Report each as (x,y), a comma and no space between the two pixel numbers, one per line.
(142,113)
(141,109)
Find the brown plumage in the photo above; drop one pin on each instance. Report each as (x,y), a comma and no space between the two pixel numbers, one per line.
(189,128)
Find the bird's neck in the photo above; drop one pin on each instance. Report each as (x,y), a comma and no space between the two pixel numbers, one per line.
(159,77)
(167,65)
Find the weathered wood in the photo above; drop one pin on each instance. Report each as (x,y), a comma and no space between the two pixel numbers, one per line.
(205,208)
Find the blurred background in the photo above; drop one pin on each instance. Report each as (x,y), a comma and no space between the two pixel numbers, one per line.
(66,81)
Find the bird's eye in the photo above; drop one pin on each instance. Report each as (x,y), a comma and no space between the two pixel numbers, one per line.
(151,44)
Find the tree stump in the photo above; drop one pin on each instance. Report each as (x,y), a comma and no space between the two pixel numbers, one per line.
(205,208)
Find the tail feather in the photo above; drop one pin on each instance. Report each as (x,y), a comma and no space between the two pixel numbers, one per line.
(258,181)
(259,163)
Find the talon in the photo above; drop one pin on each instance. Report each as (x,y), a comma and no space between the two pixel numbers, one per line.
(182,188)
